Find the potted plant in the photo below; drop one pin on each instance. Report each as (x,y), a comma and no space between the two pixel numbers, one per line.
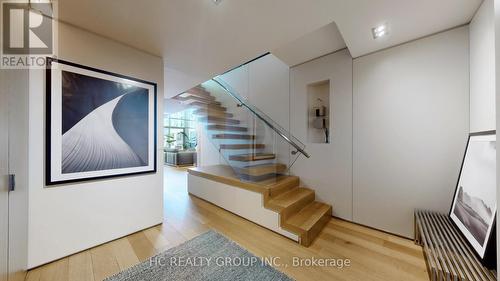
(188,143)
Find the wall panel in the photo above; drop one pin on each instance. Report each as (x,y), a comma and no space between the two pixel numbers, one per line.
(410,123)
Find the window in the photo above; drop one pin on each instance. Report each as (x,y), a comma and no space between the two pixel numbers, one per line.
(180,130)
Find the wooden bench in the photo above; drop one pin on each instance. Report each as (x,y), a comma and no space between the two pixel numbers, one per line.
(448,255)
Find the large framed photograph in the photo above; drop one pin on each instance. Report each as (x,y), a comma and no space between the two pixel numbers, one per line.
(474,205)
(99,124)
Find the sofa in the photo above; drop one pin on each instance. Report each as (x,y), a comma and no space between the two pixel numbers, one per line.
(175,157)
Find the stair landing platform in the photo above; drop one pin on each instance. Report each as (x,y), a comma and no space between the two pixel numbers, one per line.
(225,174)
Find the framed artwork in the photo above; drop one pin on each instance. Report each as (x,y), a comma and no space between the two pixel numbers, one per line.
(474,205)
(99,124)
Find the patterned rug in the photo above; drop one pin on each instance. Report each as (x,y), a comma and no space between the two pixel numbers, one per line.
(209,256)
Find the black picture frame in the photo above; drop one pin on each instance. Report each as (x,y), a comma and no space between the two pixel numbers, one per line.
(48,121)
(489,258)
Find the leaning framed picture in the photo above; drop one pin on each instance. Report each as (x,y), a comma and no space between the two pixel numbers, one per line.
(98,124)
(474,205)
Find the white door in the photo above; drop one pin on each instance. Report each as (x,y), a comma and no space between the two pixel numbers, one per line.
(18,90)
(4,171)
(14,85)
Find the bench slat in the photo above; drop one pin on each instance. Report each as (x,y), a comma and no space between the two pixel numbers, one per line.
(436,269)
(474,266)
(484,272)
(448,255)
(462,263)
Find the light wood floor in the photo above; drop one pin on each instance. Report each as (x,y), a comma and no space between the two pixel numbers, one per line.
(374,255)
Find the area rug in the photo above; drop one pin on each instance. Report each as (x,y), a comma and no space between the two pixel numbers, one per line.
(209,256)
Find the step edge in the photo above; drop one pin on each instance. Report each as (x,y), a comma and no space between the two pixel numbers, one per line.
(284,187)
(323,212)
(303,196)
(250,159)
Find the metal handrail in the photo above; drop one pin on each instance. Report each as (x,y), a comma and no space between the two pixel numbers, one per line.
(264,119)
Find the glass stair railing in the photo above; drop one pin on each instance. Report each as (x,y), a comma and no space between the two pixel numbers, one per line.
(249,141)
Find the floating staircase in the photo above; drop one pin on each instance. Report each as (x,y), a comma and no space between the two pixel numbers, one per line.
(230,135)
(253,163)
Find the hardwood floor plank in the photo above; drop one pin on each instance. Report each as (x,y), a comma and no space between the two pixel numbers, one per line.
(160,243)
(34,274)
(124,253)
(169,233)
(80,267)
(376,245)
(55,271)
(104,263)
(382,267)
(189,228)
(141,245)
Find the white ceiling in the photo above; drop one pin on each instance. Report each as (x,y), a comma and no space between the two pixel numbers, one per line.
(200,39)
(322,41)
(406,19)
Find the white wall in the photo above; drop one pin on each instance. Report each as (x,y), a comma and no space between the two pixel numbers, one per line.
(329,170)
(177,82)
(269,84)
(320,42)
(69,218)
(410,129)
(497,107)
(265,84)
(483,88)
(482,69)
(269,88)
(238,79)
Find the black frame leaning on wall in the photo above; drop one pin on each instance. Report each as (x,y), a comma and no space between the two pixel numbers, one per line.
(48,119)
(489,258)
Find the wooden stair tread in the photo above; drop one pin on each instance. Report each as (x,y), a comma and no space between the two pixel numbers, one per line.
(204,95)
(210,106)
(219,120)
(252,157)
(199,94)
(208,102)
(234,137)
(199,91)
(225,174)
(290,197)
(264,169)
(190,97)
(212,113)
(243,146)
(281,184)
(309,216)
(227,128)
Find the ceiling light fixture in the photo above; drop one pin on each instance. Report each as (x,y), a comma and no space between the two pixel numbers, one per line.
(380,31)
(217,2)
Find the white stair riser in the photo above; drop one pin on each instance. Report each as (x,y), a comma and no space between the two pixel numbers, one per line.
(245,203)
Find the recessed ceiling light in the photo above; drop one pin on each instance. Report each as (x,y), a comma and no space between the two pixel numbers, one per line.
(217,2)
(380,31)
